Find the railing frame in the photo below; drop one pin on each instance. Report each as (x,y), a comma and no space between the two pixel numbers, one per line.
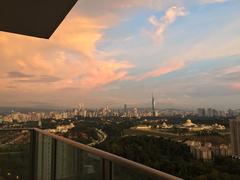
(33,137)
(54,159)
(106,169)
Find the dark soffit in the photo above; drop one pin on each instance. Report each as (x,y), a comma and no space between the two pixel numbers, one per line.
(38,18)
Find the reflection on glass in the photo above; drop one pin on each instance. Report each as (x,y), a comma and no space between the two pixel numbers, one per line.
(73,163)
(44,157)
(60,160)
(15,159)
(27,153)
(120,172)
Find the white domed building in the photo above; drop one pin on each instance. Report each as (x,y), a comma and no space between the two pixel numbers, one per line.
(189,124)
(165,126)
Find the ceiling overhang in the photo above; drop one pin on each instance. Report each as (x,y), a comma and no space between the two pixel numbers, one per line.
(38,18)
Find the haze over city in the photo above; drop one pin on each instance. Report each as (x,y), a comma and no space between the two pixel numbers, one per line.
(119,52)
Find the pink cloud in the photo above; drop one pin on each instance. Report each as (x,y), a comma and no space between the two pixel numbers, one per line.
(171,67)
(103,73)
(162,24)
(234,69)
(71,53)
(235,86)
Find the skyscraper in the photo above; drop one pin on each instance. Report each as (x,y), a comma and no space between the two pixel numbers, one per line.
(153,106)
(235,136)
(125,108)
(210,112)
(201,112)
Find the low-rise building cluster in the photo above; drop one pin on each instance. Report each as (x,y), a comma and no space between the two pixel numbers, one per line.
(207,151)
(188,125)
(62,128)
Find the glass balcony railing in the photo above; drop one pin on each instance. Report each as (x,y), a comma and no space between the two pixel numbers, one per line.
(15,154)
(34,154)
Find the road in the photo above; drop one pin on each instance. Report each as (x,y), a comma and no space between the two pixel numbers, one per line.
(102,136)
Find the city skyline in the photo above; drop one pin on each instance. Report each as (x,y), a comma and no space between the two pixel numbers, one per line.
(119,52)
(152,106)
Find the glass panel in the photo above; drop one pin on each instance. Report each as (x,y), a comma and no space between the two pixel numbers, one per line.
(75,164)
(120,172)
(53,159)
(44,157)
(15,158)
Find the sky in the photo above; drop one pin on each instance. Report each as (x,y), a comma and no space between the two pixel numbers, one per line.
(186,52)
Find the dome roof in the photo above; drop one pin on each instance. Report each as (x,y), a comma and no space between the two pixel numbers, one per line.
(164,124)
(188,123)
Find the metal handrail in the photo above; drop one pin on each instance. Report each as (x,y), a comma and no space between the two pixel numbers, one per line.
(151,172)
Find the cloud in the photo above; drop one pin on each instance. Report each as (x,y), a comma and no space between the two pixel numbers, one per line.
(212,1)
(235,69)
(104,73)
(55,65)
(235,86)
(80,34)
(161,25)
(212,47)
(18,74)
(40,79)
(99,8)
(168,68)
(69,65)
(230,74)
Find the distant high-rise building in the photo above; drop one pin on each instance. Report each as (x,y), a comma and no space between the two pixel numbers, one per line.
(201,112)
(230,113)
(80,106)
(215,113)
(235,136)
(210,112)
(125,108)
(135,112)
(40,123)
(153,106)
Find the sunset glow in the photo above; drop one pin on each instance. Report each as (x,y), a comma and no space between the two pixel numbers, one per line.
(114,52)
